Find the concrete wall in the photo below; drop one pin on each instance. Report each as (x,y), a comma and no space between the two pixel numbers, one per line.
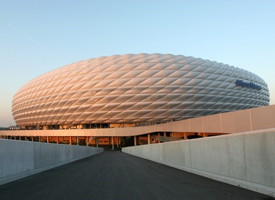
(243,159)
(19,158)
(231,122)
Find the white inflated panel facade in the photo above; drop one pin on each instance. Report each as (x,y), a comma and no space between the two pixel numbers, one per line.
(135,88)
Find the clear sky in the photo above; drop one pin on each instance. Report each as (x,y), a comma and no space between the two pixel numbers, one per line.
(37,36)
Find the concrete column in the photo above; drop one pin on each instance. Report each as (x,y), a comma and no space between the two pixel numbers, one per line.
(185,136)
(70,140)
(117,144)
(77,140)
(19,137)
(57,142)
(149,139)
(47,139)
(87,141)
(159,137)
(135,140)
(25,138)
(96,142)
(204,135)
(164,134)
(113,145)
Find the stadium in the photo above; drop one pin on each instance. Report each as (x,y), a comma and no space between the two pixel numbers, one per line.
(134,90)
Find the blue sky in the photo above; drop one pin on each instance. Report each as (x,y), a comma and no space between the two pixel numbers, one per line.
(37,36)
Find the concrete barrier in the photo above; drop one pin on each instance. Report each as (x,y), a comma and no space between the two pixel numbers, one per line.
(19,159)
(245,159)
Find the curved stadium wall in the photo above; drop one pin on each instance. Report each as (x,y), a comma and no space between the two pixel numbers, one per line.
(136,88)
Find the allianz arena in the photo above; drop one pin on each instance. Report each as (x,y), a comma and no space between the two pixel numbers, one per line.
(136,88)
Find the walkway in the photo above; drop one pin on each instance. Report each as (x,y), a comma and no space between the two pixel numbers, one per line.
(115,175)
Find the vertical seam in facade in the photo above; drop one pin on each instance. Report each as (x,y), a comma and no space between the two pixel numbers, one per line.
(250,120)
(221,122)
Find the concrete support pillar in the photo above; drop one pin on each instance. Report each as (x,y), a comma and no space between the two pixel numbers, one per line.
(87,141)
(135,140)
(117,144)
(19,137)
(113,145)
(185,136)
(26,138)
(96,142)
(204,134)
(164,134)
(77,140)
(57,142)
(149,139)
(159,137)
(47,139)
(70,140)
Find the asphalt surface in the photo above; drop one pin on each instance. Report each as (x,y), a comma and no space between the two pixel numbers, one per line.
(115,175)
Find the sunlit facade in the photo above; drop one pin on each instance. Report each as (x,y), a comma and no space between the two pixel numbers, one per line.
(133,89)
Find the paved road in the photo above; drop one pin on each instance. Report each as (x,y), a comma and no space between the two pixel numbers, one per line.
(115,175)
